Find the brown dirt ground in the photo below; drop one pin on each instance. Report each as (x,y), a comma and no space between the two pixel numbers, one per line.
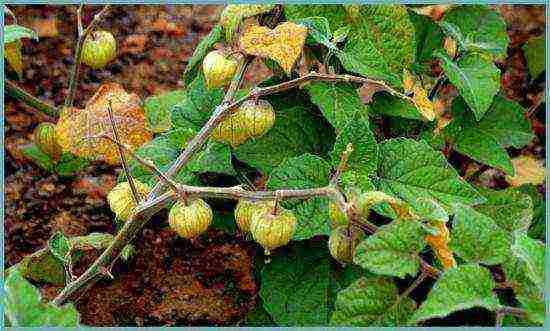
(170,281)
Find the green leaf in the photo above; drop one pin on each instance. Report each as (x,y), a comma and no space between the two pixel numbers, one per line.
(364,156)
(371,302)
(392,250)
(24,308)
(538,224)
(411,169)
(319,30)
(224,222)
(59,245)
(503,125)
(476,78)
(505,121)
(534,53)
(335,14)
(380,44)
(162,153)
(15,32)
(387,104)
(295,285)
(531,252)
(483,148)
(476,238)
(296,131)
(459,288)
(69,164)
(428,37)
(158,110)
(342,277)
(34,153)
(477,28)
(305,171)
(215,157)
(204,46)
(510,209)
(534,306)
(43,266)
(339,102)
(195,109)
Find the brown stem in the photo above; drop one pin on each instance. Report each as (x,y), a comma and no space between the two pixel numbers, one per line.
(225,109)
(82,34)
(30,100)
(129,177)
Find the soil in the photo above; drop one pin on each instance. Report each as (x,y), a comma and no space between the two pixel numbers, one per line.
(169,281)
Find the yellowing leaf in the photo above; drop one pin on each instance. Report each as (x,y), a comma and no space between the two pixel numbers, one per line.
(423,104)
(283,44)
(440,244)
(232,15)
(75,125)
(412,85)
(13,55)
(528,170)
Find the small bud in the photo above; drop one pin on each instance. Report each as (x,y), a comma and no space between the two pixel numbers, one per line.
(99,49)
(273,230)
(46,140)
(122,201)
(190,220)
(244,211)
(218,70)
(342,244)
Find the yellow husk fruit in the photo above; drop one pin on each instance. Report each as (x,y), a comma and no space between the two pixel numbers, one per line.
(190,220)
(342,244)
(252,119)
(218,70)
(122,201)
(244,211)
(98,49)
(273,230)
(45,139)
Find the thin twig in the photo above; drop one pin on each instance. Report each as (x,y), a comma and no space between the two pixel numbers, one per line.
(343,163)
(146,163)
(82,34)
(23,96)
(135,193)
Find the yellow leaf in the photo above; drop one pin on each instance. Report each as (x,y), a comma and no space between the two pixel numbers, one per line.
(440,244)
(75,125)
(528,170)
(283,44)
(13,55)
(423,104)
(232,15)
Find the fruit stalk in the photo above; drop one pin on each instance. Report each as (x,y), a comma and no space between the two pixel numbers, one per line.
(82,34)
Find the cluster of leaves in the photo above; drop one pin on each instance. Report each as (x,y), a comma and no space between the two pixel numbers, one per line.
(414,182)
